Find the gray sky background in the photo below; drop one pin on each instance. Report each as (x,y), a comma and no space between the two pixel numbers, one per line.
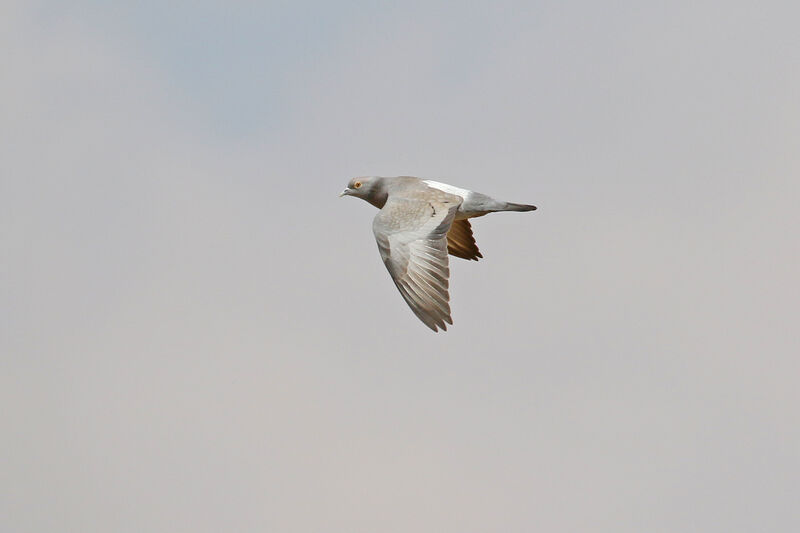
(197,335)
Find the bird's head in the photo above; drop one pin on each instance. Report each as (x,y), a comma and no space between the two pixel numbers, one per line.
(369,188)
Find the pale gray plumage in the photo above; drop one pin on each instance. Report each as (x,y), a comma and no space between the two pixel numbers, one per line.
(419,223)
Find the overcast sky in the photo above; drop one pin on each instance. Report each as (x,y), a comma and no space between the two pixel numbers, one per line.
(197,334)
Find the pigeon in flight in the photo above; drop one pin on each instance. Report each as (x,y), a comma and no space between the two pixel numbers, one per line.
(419,223)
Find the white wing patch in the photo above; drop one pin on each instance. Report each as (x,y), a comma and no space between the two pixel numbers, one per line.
(463,193)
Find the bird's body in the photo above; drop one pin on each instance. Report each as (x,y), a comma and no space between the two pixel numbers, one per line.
(419,223)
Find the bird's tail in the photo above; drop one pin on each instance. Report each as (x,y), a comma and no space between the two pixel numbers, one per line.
(518,207)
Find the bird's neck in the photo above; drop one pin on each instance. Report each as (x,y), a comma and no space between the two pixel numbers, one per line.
(378,197)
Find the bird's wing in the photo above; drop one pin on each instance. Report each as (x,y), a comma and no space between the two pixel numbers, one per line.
(411,232)
(460,241)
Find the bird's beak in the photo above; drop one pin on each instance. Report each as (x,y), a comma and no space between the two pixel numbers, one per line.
(344,193)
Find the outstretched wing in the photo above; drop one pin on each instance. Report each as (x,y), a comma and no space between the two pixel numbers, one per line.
(460,241)
(411,232)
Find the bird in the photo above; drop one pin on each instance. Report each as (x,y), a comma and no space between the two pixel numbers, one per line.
(420,222)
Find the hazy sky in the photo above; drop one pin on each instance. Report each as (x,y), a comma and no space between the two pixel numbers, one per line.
(197,334)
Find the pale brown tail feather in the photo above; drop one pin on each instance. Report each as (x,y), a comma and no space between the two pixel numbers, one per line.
(519,207)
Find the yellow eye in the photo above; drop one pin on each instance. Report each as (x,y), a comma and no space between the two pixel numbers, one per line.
(356,185)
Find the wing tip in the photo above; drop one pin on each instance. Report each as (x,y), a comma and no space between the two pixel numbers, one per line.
(437,324)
